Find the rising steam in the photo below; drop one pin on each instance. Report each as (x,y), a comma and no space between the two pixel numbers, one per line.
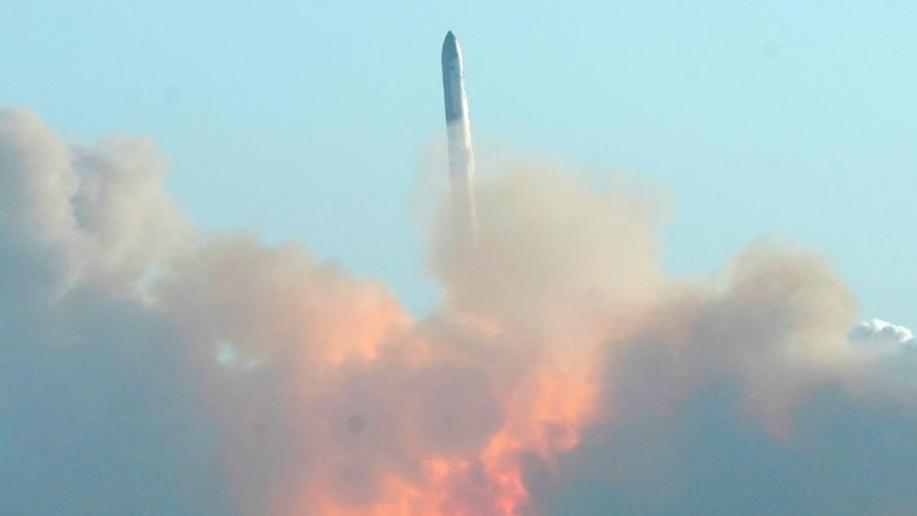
(149,368)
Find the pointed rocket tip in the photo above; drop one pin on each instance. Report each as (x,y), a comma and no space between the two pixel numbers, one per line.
(450,47)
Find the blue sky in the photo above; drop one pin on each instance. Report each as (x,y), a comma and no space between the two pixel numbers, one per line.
(309,121)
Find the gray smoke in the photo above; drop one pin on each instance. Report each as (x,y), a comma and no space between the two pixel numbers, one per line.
(147,367)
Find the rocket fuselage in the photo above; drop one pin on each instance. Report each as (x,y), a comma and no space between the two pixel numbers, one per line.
(461,154)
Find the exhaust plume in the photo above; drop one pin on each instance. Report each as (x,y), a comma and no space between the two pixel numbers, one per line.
(148,367)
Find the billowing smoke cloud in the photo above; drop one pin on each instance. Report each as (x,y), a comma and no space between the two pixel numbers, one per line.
(149,368)
(97,404)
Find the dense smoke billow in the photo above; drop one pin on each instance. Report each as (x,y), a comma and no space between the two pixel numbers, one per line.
(147,367)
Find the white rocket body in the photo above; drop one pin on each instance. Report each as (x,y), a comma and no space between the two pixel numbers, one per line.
(461,154)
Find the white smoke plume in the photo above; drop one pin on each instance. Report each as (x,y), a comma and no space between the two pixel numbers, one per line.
(149,368)
(883,334)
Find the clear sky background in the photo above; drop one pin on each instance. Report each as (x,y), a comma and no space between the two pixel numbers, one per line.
(309,120)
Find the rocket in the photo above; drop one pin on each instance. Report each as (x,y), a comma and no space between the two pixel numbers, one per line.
(461,154)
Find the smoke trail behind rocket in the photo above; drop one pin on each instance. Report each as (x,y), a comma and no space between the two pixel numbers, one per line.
(461,154)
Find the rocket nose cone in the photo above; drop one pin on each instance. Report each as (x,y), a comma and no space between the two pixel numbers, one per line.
(450,46)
